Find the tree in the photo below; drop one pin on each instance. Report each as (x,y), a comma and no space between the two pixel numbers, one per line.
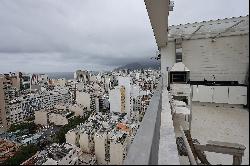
(24,153)
(60,136)
(21,126)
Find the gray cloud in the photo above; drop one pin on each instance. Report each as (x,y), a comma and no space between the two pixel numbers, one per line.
(204,10)
(62,35)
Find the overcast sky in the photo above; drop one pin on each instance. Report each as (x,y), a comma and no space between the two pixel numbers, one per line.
(66,35)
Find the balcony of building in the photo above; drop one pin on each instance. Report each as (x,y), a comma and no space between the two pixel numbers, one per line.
(222,130)
(156,139)
(150,145)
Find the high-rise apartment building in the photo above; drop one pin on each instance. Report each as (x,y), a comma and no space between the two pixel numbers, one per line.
(7,93)
(120,96)
(115,100)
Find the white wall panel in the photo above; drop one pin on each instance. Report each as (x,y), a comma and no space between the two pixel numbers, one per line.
(220,94)
(205,93)
(195,93)
(227,58)
(238,95)
(167,60)
(167,56)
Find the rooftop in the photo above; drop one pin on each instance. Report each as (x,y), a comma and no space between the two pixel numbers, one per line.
(7,149)
(55,152)
(221,122)
(212,28)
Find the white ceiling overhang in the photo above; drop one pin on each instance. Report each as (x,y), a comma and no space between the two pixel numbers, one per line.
(158,15)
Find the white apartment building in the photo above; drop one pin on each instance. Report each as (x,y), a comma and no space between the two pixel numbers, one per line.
(86,140)
(126,82)
(72,137)
(101,139)
(59,118)
(83,98)
(118,148)
(96,135)
(115,100)
(135,91)
(59,82)
(82,76)
(82,138)
(22,107)
(64,154)
(41,117)
(17,112)
(79,110)
(7,93)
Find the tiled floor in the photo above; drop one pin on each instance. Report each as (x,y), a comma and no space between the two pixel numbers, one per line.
(219,122)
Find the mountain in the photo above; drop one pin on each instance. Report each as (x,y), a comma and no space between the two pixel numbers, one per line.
(140,65)
(57,75)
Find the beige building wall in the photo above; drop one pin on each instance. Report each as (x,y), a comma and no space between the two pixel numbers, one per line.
(100,140)
(41,117)
(115,100)
(123,98)
(72,137)
(83,99)
(77,109)
(3,121)
(60,82)
(58,119)
(16,82)
(116,153)
(85,143)
(125,82)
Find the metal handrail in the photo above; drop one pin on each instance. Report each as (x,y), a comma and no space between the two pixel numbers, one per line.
(189,151)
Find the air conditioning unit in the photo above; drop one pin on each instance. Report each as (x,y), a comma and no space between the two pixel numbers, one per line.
(171,5)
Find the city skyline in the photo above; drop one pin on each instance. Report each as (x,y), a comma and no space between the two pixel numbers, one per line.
(145,82)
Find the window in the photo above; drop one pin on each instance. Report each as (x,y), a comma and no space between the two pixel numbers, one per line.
(178,50)
(178,77)
(178,55)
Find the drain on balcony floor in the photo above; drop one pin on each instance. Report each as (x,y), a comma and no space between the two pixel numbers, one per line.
(181,146)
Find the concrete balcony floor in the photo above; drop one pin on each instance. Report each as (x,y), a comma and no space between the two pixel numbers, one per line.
(221,122)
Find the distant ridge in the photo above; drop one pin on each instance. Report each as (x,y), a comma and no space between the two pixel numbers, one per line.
(140,65)
(57,75)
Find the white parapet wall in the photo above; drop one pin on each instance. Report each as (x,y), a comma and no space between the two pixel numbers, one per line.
(168,153)
(167,60)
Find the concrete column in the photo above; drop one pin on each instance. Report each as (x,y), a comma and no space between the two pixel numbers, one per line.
(167,60)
